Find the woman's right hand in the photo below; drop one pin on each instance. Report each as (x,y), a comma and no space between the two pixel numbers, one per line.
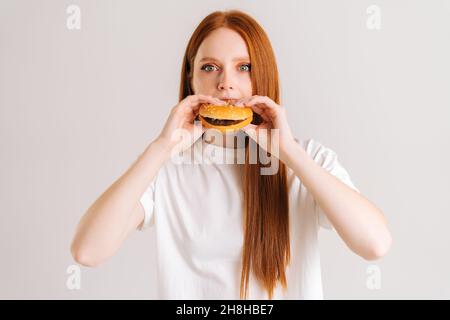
(179,131)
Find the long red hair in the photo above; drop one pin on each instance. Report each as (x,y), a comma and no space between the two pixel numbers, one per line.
(266,249)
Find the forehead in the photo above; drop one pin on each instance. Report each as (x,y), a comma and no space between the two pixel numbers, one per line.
(222,44)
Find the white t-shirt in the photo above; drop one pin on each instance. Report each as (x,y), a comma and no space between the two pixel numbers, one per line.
(196,210)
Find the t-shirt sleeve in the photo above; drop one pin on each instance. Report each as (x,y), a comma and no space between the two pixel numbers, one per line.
(328,159)
(147,201)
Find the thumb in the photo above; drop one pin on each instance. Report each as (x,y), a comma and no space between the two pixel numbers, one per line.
(249,127)
(250,130)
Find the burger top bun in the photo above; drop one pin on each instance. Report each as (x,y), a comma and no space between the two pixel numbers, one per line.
(227,112)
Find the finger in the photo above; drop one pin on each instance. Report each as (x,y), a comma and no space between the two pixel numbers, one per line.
(200,126)
(190,106)
(242,102)
(212,99)
(256,108)
(265,117)
(265,125)
(259,108)
(196,100)
(263,102)
(249,126)
(250,130)
(261,112)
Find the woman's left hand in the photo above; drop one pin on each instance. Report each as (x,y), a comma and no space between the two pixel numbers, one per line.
(274,117)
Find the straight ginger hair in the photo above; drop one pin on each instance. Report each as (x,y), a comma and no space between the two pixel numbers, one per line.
(266,249)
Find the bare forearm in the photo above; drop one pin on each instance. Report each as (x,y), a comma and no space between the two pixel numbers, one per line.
(360,223)
(103,227)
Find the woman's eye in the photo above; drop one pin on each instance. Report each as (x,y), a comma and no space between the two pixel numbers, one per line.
(245,67)
(208,67)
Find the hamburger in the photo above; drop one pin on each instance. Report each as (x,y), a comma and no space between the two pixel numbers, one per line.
(225,118)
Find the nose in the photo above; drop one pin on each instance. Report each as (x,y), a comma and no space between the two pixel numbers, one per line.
(225,82)
(225,87)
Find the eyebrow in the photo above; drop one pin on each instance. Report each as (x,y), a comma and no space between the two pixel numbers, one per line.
(235,59)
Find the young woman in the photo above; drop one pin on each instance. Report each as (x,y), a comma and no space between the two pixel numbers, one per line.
(226,231)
